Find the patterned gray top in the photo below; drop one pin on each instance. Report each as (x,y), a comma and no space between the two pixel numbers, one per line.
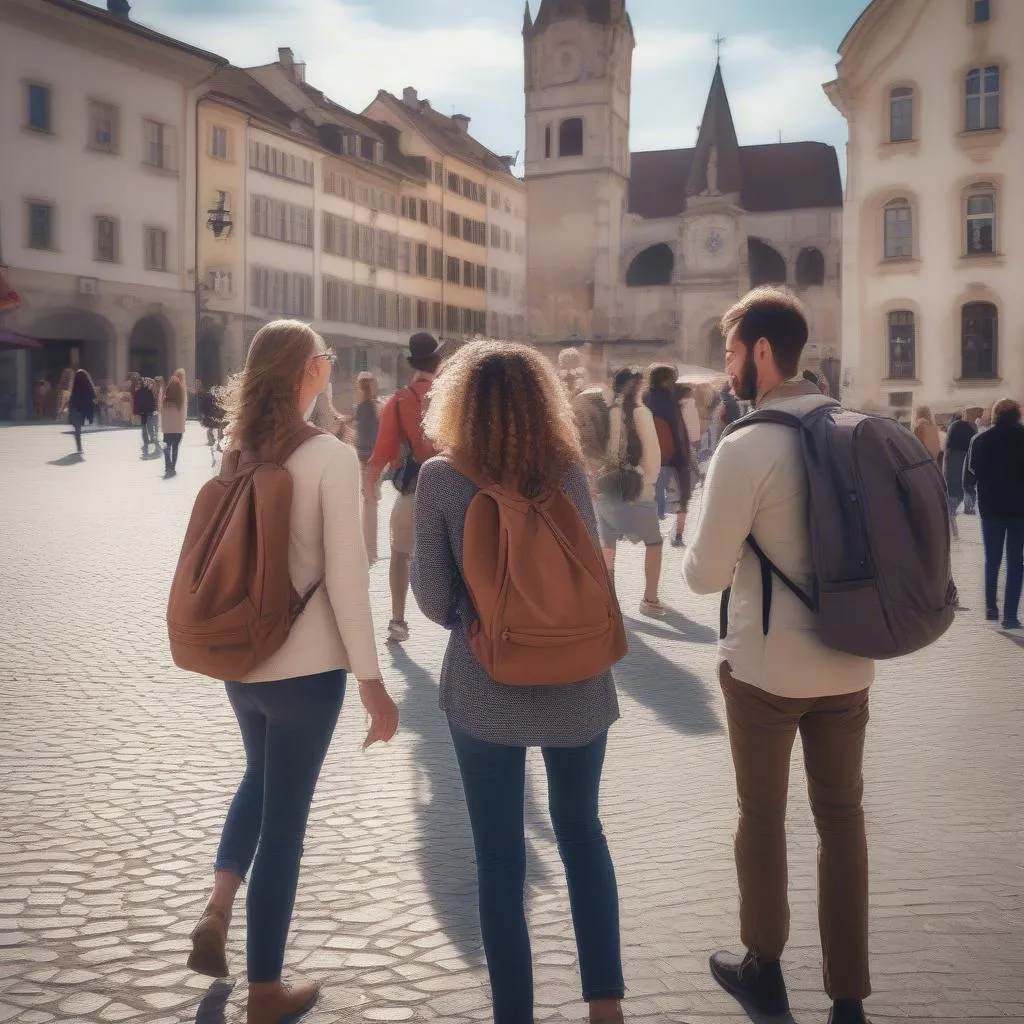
(518,716)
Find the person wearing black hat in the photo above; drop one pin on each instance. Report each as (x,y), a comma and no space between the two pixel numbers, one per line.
(401,443)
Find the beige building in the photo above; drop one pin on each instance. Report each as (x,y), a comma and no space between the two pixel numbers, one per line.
(484,245)
(641,253)
(96,192)
(933,94)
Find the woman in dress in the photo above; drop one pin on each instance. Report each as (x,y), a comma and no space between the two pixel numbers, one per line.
(502,410)
(287,707)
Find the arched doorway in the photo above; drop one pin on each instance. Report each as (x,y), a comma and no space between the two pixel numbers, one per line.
(209,367)
(810,268)
(73,338)
(716,348)
(652,267)
(148,347)
(766,264)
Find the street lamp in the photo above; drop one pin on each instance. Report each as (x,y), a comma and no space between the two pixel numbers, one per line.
(219,220)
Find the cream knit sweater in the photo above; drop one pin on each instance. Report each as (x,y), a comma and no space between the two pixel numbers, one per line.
(336,629)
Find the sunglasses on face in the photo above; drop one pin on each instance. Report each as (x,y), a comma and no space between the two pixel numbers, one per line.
(330,355)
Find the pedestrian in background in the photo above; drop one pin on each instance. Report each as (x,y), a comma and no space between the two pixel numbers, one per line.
(402,444)
(367,427)
(995,464)
(959,435)
(81,405)
(672,492)
(287,708)
(172,420)
(145,409)
(501,412)
(926,430)
(626,505)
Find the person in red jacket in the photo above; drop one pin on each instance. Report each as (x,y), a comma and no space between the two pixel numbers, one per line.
(401,443)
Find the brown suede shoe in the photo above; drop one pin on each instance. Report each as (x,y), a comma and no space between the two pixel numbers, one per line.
(284,1004)
(209,939)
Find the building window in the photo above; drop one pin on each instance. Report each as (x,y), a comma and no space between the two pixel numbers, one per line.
(547,142)
(902,345)
(281,291)
(105,248)
(436,317)
(452,272)
(438,180)
(979,340)
(159,145)
(982,94)
(336,234)
(37,112)
(40,226)
(437,266)
(271,160)
(570,137)
(454,182)
(155,248)
(422,258)
(422,314)
(283,222)
(103,127)
(454,224)
(899,230)
(981,223)
(378,152)
(901,114)
(982,11)
(219,142)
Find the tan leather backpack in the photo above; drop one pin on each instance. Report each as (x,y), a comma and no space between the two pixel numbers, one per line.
(546,611)
(232,603)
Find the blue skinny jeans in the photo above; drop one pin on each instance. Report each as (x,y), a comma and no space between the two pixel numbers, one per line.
(286,730)
(494,780)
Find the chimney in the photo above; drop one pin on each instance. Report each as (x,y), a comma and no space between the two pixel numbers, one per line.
(286,59)
(410,97)
(461,122)
(119,8)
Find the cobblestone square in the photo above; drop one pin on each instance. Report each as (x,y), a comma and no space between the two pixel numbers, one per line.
(116,771)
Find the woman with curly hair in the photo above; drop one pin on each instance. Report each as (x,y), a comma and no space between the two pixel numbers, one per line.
(172,420)
(288,706)
(501,410)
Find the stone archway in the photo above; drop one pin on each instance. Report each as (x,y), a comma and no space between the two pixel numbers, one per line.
(652,267)
(149,346)
(209,364)
(73,338)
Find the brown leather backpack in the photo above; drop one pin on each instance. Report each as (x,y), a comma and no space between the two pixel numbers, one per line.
(546,611)
(232,603)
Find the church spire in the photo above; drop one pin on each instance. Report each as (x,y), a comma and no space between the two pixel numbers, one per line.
(527,20)
(716,160)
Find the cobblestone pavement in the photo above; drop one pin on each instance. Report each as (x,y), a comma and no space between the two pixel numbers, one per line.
(116,771)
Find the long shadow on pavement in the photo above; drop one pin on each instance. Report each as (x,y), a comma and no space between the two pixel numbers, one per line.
(674,694)
(446,859)
(72,459)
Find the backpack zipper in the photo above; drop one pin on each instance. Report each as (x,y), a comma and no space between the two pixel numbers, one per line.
(545,638)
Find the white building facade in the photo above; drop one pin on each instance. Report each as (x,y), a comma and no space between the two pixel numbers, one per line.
(933,253)
(96,131)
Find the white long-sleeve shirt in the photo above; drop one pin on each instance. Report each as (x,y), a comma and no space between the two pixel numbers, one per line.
(757,485)
(336,628)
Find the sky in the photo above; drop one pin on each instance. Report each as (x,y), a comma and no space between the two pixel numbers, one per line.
(468,58)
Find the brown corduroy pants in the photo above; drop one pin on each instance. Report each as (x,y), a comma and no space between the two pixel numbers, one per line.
(762,728)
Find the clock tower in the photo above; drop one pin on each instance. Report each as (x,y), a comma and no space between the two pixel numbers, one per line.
(578,58)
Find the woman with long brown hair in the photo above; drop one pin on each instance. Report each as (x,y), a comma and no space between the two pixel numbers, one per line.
(367,427)
(172,421)
(287,707)
(501,410)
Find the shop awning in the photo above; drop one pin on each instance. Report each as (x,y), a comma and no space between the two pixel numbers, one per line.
(11,339)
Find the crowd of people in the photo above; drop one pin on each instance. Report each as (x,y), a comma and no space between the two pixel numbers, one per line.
(498,456)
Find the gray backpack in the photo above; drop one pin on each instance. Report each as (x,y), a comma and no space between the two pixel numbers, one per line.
(880,534)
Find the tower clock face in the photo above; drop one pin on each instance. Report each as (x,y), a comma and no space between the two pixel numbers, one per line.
(710,243)
(565,65)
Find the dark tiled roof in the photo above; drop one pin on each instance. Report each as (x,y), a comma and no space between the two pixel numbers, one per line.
(103,16)
(446,135)
(238,86)
(716,130)
(781,176)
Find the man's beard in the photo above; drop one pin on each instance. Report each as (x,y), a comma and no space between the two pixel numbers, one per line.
(745,385)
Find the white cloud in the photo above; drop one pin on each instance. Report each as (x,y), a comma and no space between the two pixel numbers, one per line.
(475,67)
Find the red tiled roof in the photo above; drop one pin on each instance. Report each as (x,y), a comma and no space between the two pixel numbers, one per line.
(780,176)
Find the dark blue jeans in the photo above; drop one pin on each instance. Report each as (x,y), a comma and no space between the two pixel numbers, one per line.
(494,780)
(286,730)
(997,534)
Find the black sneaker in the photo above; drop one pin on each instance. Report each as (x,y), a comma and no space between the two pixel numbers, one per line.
(847,1011)
(757,985)
(991,614)
(1011,623)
